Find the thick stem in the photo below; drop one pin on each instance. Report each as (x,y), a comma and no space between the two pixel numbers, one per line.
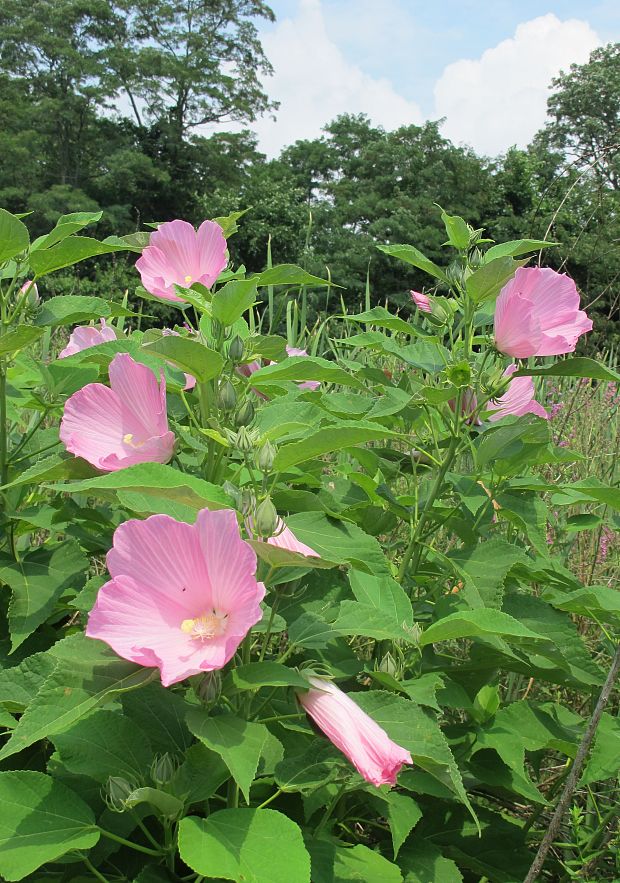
(573,776)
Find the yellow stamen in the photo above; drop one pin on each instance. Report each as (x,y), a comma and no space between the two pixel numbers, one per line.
(128,440)
(188,279)
(205,627)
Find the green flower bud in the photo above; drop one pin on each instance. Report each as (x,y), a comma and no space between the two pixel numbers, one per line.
(247,502)
(455,273)
(475,258)
(116,791)
(245,442)
(209,687)
(459,375)
(227,397)
(163,768)
(233,492)
(266,522)
(265,457)
(389,665)
(244,414)
(236,349)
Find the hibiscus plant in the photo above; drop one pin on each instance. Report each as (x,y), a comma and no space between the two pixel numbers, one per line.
(271,605)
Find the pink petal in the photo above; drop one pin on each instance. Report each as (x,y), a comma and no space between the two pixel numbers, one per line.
(85,336)
(212,252)
(136,386)
(92,424)
(284,538)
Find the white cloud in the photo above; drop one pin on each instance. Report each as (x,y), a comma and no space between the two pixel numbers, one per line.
(501,98)
(314,82)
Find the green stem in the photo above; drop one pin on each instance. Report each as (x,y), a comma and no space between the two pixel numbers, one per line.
(330,809)
(269,800)
(3,426)
(94,870)
(145,849)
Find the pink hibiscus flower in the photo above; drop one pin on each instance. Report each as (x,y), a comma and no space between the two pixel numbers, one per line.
(85,336)
(369,748)
(120,425)
(179,255)
(537,314)
(518,399)
(422,301)
(182,596)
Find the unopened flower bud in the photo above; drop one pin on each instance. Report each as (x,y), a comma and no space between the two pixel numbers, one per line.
(227,397)
(244,414)
(32,298)
(245,442)
(389,665)
(266,457)
(209,687)
(459,375)
(236,349)
(475,258)
(266,522)
(117,790)
(163,769)
(247,502)
(455,273)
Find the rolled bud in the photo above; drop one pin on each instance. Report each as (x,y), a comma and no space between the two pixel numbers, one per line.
(236,349)
(163,768)
(266,522)
(266,457)
(389,665)
(32,299)
(245,414)
(117,790)
(245,442)
(227,397)
(209,687)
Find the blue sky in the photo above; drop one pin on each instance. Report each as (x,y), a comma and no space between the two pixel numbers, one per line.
(485,66)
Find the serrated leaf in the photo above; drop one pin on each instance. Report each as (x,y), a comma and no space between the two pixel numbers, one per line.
(333,863)
(255,675)
(345,434)
(411,255)
(253,845)
(41,821)
(18,338)
(355,618)
(68,252)
(69,309)
(14,236)
(422,862)
(189,355)
(231,301)
(298,369)
(477,623)
(483,570)
(579,366)
(515,248)
(382,592)
(339,541)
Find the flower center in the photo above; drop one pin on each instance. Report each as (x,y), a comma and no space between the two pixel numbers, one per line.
(128,440)
(188,279)
(205,627)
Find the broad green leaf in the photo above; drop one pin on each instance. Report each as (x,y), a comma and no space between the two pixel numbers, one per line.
(584,489)
(383,319)
(200,775)
(14,236)
(509,441)
(411,255)
(572,367)
(310,631)
(306,772)
(190,356)
(41,821)
(153,479)
(66,225)
(18,338)
(71,309)
(288,274)
(238,742)
(422,862)
(515,248)
(105,744)
(583,521)
(367,620)
(332,863)
(457,230)
(276,557)
(604,757)
(253,845)
(161,713)
(231,301)
(266,674)
(300,368)
(345,434)
(383,593)
(169,806)
(87,673)
(339,541)
(52,468)
(37,581)
(20,684)
(68,252)
(483,570)
(600,603)
(477,623)
(416,730)
(228,223)
(486,282)
(403,815)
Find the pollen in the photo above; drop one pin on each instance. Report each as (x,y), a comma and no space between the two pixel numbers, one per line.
(128,440)
(205,627)
(188,279)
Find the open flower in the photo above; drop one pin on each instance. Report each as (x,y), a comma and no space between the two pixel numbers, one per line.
(85,336)
(422,301)
(179,255)
(182,596)
(358,736)
(120,425)
(518,399)
(537,314)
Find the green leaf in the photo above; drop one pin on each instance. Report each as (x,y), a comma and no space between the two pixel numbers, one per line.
(300,368)
(311,631)
(253,845)
(70,309)
(477,623)
(600,603)
(363,619)
(457,230)
(68,252)
(383,593)
(161,713)
(332,863)
(266,674)
(190,356)
(14,236)
(403,815)
(422,862)
(20,684)
(572,367)
(306,772)
(37,582)
(584,521)
(18,338)
(339,541)
(87,673)
(276,557)
(52,468)
(288,274)
(603,762)
(515,247)
(483,570)
(345,434)
(41,820)
(486,282)
(105,744)
(383,319)
(411,255)
(66,225)
(231,301)
(153,479)
(238,742)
